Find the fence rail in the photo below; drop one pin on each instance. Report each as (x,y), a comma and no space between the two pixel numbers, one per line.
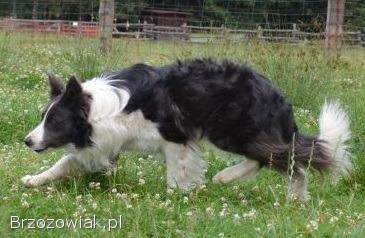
(185,33)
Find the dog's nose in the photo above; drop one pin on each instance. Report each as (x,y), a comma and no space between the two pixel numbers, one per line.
(28,142)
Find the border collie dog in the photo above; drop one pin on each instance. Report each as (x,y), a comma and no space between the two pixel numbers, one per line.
(169,109)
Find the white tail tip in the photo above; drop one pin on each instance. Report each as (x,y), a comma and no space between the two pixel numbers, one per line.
(335,131)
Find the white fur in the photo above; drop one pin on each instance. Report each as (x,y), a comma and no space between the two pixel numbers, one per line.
(185,168)
(244,170)
(115,131)
(335,131)
(37,135)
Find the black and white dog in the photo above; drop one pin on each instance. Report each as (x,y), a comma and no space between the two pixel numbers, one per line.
(169,109)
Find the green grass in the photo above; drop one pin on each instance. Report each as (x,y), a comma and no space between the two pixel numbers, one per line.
(243,209)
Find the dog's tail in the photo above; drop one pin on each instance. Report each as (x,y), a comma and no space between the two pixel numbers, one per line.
(326,152)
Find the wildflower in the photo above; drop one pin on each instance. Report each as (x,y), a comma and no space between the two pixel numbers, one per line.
(185,199)
(270,226)
(94,185)
(118,195)
(312,225)
(236,217)
(78,198)
(250,214)
(209,211)
(333,219)
(14,188)
(114,190)
(25,204)
(141,181)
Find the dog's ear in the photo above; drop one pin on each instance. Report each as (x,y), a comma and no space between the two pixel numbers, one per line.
(55,85)
(73,88)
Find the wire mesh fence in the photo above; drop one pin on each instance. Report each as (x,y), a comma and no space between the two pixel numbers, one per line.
(195,21)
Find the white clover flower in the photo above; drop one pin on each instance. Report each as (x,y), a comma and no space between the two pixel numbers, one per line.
(78,198)
(209,210)
(118,195)
(312,225)
(333,219)
(185,199)
(167,202)
(25,204)
(141,181)
(250,214)
(223,213)
(244,201)
(114,190)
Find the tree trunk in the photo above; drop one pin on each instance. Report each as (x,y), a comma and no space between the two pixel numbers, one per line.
(334,30)
(106,17)
(34,10)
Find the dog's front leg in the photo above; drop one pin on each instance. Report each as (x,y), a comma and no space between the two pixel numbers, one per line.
(67,166)
(185,168)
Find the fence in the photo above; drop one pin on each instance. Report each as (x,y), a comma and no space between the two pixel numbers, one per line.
(196,34)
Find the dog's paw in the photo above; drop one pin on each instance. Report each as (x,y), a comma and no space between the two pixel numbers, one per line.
(221,178)
(29,181)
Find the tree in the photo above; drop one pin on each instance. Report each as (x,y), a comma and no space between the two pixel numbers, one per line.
(106,19)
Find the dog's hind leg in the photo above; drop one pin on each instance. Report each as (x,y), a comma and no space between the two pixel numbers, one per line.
(185,167)
(297,187)
(244,170)
(67,166)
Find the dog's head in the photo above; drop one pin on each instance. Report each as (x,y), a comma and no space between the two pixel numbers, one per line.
(64,118)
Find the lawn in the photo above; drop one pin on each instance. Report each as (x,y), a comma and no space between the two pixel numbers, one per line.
(137,191)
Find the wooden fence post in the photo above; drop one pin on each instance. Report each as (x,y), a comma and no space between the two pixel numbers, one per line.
(334,30)
(106,20)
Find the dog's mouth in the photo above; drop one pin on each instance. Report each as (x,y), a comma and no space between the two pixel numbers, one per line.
(40,150)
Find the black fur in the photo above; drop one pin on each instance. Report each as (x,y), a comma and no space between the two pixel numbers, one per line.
(67,118)
(234,107)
